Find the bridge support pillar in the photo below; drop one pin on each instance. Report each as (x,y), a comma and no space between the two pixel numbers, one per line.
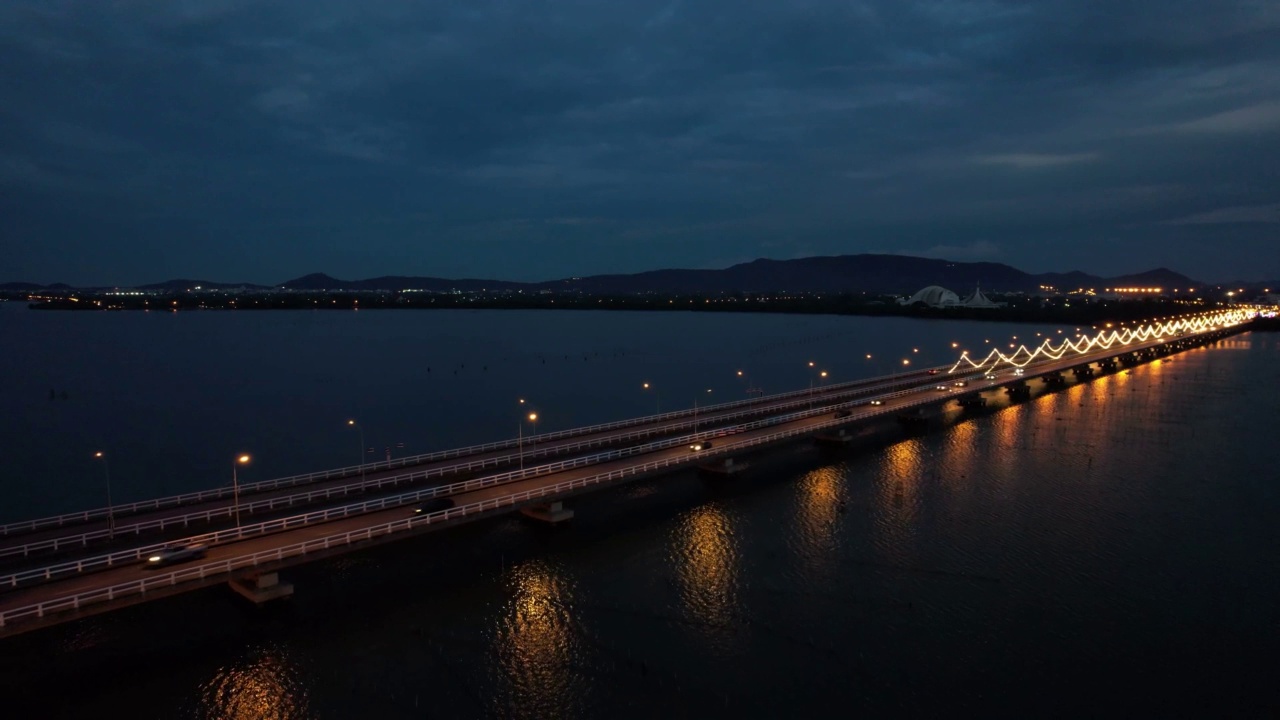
(839,436)
(259,589)
(551,513)
(724,469)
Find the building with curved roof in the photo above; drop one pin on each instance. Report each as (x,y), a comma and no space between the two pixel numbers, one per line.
(939,297)
(933,296)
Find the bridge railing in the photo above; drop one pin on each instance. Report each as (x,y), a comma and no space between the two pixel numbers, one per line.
(565,488)
(270,504)
(305,478)
(132,555)
(226,566)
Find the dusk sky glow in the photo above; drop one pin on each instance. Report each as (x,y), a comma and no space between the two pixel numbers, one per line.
(240,140)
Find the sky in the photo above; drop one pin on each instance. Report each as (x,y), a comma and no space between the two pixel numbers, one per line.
(251,141)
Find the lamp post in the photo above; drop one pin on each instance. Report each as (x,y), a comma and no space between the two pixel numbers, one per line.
(905,363)
(532,418)
(235,483)
(111,513)
(695,412)
(810,384)
(657,398)
(356,425)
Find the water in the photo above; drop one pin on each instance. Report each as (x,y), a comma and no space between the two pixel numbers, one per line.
(1105,550)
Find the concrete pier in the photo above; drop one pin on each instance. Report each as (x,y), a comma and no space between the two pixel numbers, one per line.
(839,436)
(550,513)
(725,468)
(259,589)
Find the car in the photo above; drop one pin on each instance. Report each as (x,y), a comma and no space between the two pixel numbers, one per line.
(933,372)
(700,446)
(435,504)
(175,554)
(942,388)
(876,402)
(1018,371)
(960,383)
(843,412)
(991,376)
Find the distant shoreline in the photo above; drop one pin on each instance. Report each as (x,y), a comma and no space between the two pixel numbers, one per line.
(1020,309)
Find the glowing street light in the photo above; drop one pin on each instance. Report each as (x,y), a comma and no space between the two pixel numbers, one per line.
(356,425)
(695,411)
(235,483)
(532,418)
(657,398)
(111,514)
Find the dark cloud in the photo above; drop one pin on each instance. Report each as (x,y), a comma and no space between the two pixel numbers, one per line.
(239,139)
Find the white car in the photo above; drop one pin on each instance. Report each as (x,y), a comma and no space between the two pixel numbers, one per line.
(1018,371)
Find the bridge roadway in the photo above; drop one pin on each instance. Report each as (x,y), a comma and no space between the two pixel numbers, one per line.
(58,601)
(24,550)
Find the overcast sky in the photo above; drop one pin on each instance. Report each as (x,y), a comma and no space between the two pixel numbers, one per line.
(256,140)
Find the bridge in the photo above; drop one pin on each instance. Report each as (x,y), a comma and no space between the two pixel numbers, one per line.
(57,569)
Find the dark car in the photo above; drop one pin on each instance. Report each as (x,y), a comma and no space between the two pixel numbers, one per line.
(174,554)
(933,372)
(876,402)
(700,446)
(435,504)
(844,412)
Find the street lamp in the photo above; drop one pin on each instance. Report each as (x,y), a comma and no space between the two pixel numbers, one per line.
(533,418)
(111,514)
(235,483)
(810,384)
(356,425)
(657,399)
(695,411)
(905,363)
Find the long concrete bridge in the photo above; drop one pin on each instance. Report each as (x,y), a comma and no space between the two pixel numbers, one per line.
(53,570)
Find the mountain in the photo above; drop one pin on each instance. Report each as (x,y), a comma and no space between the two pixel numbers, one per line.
(320,281)
(879,274)
(32,287)
(180,285)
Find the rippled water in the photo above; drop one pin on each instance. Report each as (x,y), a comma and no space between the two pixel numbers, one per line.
(1106,550)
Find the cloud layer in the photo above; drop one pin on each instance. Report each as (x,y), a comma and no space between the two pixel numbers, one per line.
(257,141)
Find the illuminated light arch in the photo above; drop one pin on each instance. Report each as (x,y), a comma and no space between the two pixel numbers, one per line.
(1024,356)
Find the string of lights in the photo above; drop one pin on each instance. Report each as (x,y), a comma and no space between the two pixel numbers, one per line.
(1106,339)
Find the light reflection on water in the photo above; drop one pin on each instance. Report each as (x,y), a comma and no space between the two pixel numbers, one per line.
(814,537)
(535,645)
(265,685)
(704,551)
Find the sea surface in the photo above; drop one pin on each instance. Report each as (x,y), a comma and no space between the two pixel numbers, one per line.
(1108,550)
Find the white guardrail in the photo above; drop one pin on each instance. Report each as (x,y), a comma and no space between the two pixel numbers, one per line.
(270,504)
(222,567)
(293,480)
(271,526)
